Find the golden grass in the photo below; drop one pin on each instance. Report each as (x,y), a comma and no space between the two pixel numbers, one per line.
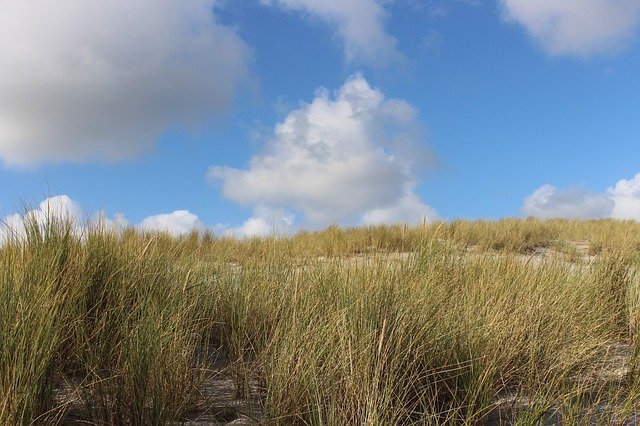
(334,328)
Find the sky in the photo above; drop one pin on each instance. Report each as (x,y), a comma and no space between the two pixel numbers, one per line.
(249,117)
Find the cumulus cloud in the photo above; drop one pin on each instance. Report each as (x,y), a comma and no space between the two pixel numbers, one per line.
(334,160)
(264,222)
(360,24)
(117,223)
(575,27)
(60,207)
(179,222)
(103,79)
(63,208)
(578,203)
(406,210)
(626,194)
(11,227)
(621,201)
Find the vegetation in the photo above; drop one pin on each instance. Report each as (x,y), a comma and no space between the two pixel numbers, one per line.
(511,321)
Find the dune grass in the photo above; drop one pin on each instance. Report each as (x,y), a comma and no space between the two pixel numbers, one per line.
(444,323)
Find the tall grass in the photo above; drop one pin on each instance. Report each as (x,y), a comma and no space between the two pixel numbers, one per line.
(464,326)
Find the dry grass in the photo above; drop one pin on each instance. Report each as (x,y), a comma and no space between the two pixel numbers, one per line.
(123,328)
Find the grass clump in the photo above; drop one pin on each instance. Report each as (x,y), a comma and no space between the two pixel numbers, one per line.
(513,321)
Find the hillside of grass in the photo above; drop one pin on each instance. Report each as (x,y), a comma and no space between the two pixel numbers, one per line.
(453,323)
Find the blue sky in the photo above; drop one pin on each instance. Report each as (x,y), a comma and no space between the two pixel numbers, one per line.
(251,115)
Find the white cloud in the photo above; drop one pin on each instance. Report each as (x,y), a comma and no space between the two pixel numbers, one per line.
(102,79)
(406,210)
(253,227)
(179,222)
(621,201)
(60,207)
(334,160)
(360,24)
(264,222)
(626,195)
(63,208)
(579,203)
(57,208)
(11,227)
(118,223)
(576,27)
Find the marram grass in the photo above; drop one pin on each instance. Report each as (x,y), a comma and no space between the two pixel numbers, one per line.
(460,323)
